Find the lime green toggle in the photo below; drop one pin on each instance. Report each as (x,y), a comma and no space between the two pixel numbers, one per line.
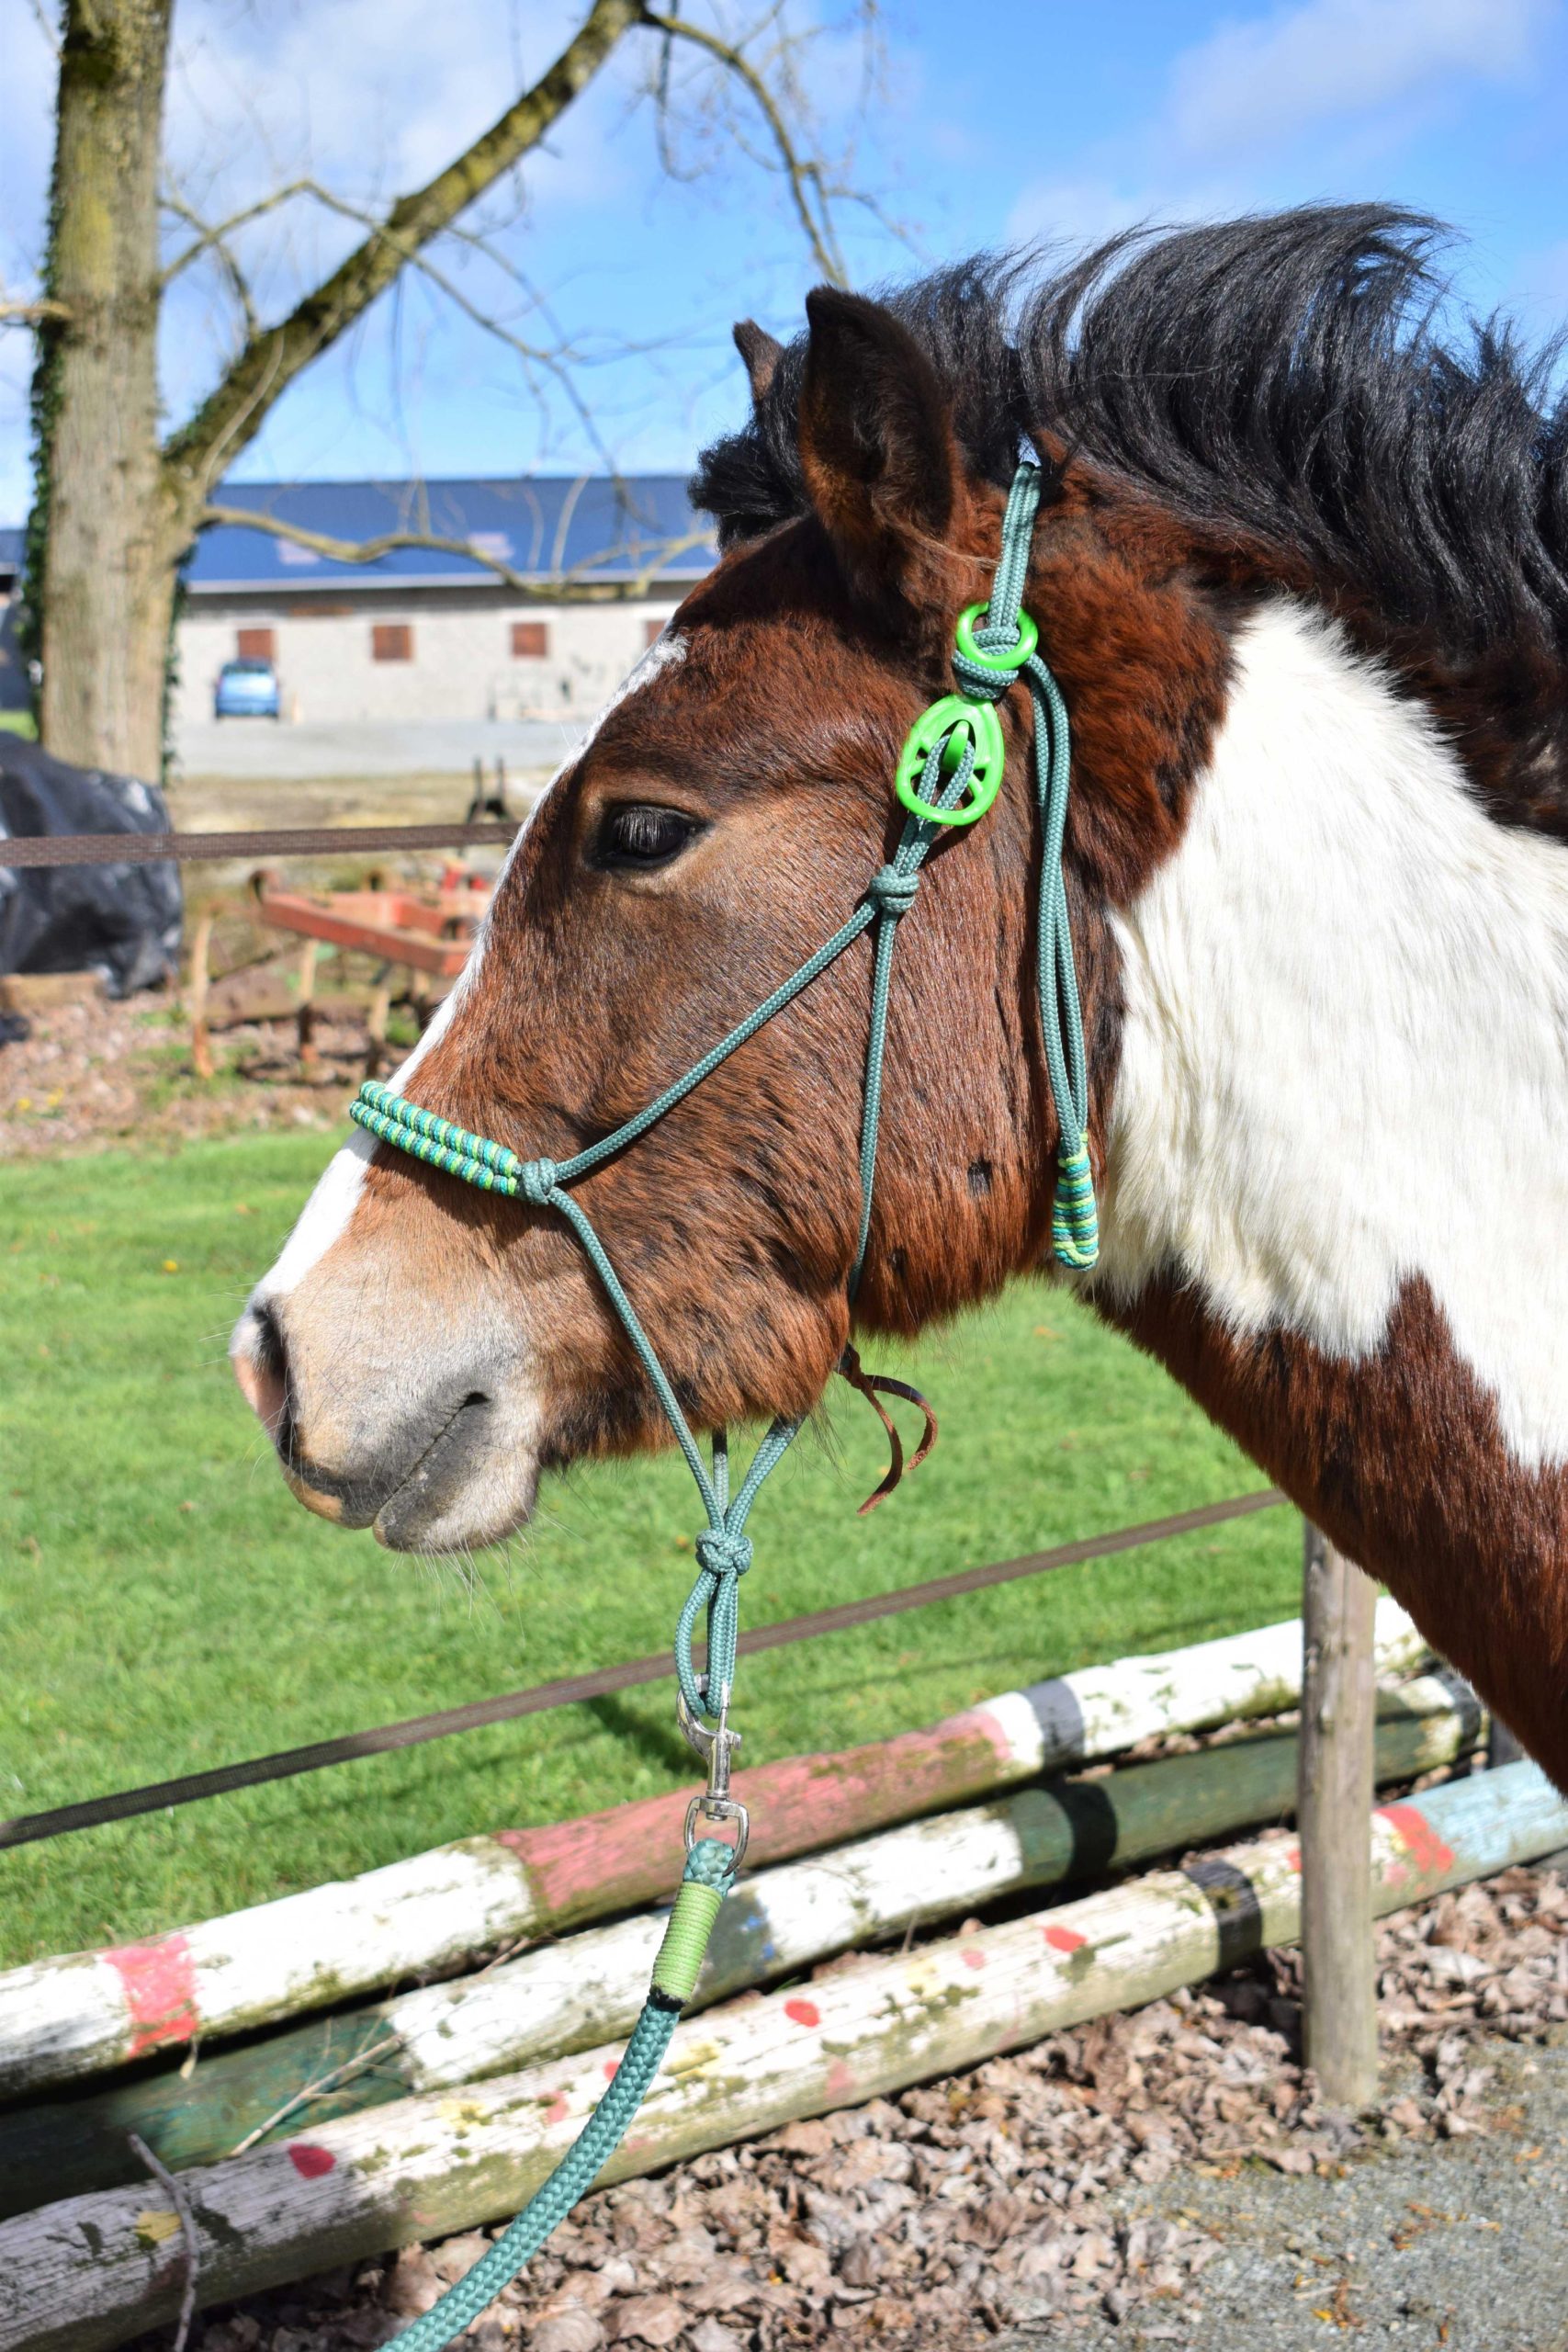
(952,718)
(676,1970)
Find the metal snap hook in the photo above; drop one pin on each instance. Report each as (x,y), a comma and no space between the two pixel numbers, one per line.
(714,1743)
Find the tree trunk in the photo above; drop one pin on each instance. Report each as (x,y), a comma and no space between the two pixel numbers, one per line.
(104,576)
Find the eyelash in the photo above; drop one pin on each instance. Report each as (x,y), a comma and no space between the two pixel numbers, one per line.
(640,836)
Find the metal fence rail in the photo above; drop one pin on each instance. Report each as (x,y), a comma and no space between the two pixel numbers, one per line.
(319,841)
(27,1827)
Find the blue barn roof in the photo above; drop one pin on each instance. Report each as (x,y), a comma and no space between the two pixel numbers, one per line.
(574,529)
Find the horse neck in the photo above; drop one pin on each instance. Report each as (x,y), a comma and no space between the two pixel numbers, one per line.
(1337,1157)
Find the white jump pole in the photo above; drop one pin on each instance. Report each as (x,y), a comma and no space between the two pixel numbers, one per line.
(1339,1731)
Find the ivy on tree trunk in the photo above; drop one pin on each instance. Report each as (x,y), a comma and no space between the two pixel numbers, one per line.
(106,539)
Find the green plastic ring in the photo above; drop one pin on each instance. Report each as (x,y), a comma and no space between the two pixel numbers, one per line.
(951,716)
(1027,639)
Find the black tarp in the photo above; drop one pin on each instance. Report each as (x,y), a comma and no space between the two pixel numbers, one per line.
(122,921)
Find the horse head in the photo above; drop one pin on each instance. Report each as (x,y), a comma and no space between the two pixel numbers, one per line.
(419,1353)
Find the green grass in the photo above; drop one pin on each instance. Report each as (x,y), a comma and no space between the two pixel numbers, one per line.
(18,722)
(166,1605)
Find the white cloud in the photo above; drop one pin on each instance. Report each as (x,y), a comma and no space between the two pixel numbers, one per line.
(1072,212)
(1262,80)
(1236,100)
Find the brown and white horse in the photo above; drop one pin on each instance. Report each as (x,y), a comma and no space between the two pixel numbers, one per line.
(1300,573)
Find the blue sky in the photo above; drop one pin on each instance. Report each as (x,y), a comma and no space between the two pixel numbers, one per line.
(1021,122)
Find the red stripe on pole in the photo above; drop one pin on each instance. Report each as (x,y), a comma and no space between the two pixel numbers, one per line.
(1422,1843)
(160,1991)
(612,1859)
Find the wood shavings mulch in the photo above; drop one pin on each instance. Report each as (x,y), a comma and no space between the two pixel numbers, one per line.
(947,2214)
(95,1075)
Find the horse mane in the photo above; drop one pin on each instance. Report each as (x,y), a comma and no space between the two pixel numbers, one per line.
(1295,381)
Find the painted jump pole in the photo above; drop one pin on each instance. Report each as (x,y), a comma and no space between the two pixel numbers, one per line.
(65,2017)
(1339,2013)
(584,1988)
(84,2273)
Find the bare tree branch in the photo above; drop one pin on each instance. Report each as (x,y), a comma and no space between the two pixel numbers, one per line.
(557,363)
(214,240)
(803,173)
(49,30)
(29,311)
(580,578)
(271,359)
(218,232)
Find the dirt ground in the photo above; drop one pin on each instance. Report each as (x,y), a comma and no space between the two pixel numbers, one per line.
(94,1074)
(1163,2178)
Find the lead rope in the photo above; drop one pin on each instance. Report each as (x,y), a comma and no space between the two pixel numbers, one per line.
(949,774)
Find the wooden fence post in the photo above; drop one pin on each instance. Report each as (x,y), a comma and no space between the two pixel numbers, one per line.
(195,1001)
(1338,1717)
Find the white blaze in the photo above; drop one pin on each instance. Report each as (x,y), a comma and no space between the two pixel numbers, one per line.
(327,1211)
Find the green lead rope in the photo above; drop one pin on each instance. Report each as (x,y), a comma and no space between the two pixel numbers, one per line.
(949,774)
(709,1869)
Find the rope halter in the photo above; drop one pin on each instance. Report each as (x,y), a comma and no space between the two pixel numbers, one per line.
(948,775)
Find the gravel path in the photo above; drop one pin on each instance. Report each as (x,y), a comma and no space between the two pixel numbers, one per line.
(1460,2243)
(1162,2178)
(257,750)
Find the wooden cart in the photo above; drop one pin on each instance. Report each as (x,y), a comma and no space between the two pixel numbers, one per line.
(422,933)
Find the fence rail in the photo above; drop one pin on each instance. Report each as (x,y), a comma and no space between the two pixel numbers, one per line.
(185,849)
(26,1828)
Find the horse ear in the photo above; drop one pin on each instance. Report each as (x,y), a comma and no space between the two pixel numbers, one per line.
(760,352)
(876,443)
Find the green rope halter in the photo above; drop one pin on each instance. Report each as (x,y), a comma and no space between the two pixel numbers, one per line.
(949,774)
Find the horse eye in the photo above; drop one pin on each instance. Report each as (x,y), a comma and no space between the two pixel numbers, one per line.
(641,835)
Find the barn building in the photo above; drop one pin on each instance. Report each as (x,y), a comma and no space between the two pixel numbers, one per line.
(428,631)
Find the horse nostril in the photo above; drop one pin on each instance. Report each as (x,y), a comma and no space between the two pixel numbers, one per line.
(261,1367)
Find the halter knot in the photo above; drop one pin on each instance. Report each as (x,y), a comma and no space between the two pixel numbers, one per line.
(536,1180)
(891,892)
(983,685)
(721,1554)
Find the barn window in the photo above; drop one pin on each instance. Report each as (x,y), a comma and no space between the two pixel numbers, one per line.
(391,641)
(530,640)
(254,644)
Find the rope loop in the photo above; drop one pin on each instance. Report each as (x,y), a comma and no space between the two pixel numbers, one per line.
(536,1180)
(892,892)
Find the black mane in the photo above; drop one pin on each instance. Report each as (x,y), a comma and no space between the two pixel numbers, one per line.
(1296,378)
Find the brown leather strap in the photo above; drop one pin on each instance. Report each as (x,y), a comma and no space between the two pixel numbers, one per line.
(873,1387)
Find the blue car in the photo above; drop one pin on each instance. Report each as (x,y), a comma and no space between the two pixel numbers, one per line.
(247,689)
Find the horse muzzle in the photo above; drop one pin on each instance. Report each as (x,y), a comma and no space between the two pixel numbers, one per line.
(431,1456)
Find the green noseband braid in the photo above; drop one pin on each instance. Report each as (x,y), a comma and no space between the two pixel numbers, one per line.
(949,774)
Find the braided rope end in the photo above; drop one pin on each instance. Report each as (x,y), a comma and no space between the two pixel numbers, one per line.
(1074,1217)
